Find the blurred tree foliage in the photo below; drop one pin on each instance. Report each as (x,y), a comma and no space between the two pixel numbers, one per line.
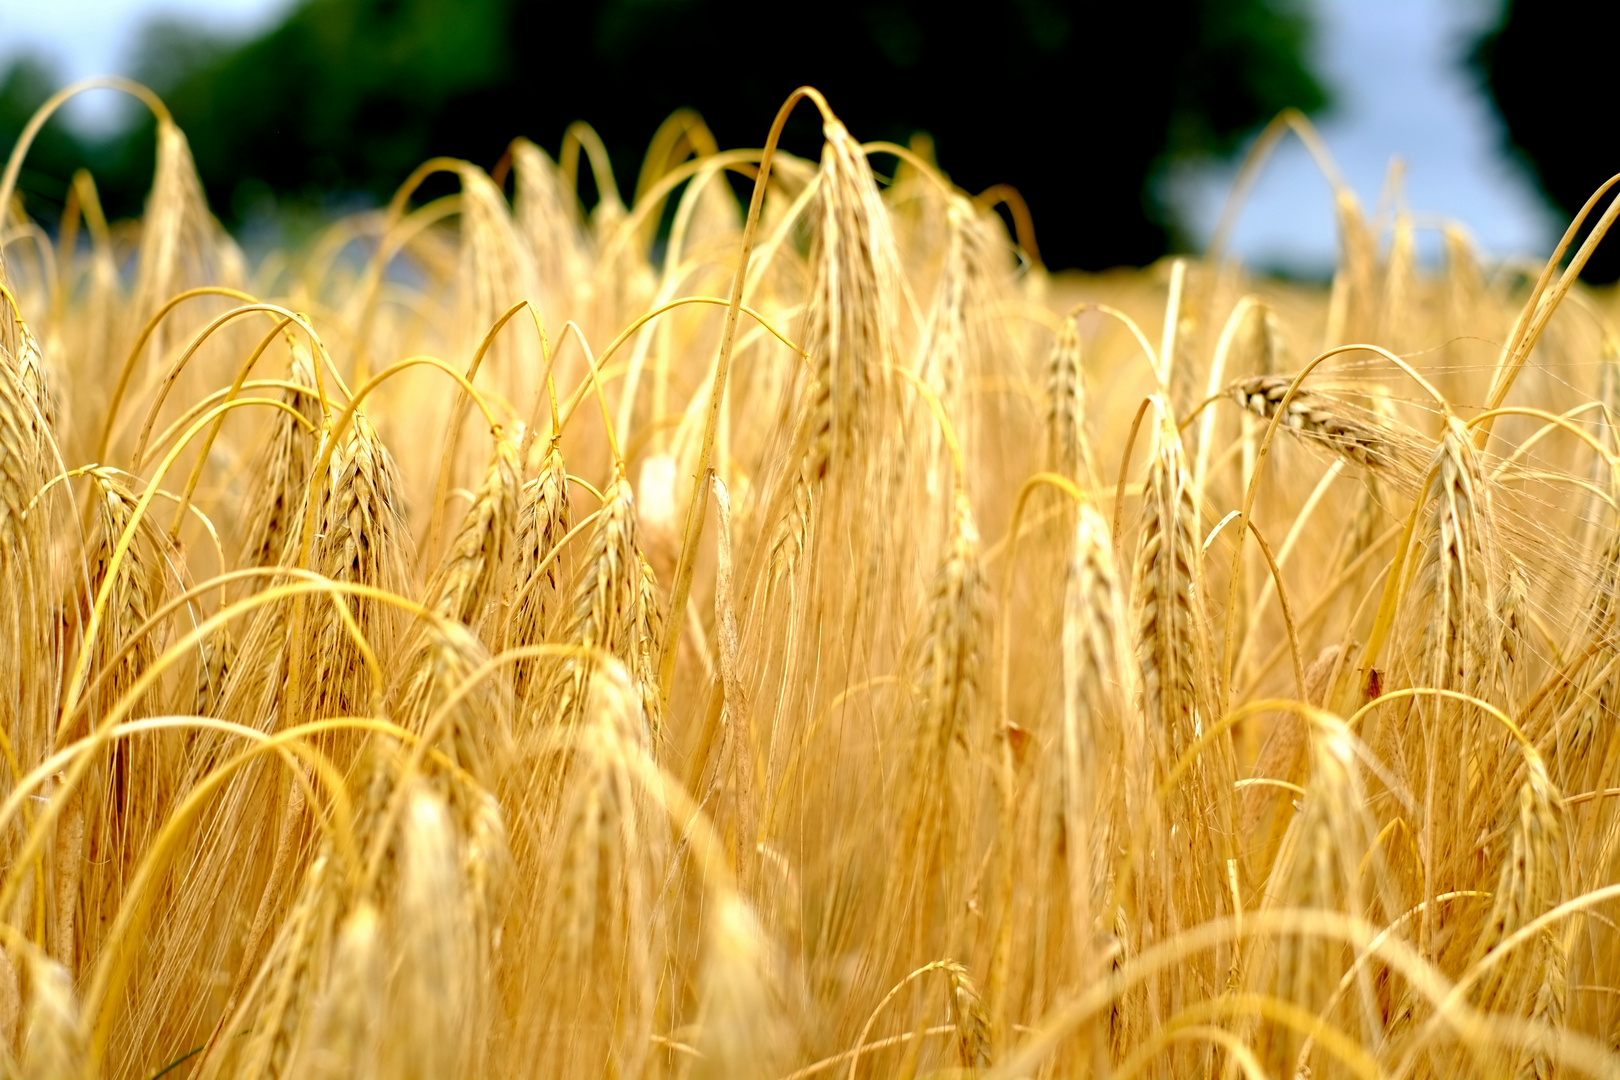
(1080,104)
(1533,66)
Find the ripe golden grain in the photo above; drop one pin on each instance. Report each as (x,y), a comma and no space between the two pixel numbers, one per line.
(584,792)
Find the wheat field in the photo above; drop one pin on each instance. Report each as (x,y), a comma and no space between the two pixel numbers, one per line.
(492,639)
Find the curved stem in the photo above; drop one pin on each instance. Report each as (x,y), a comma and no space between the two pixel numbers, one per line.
(122,385)
(19,149)
(556,550)
(866,1029)
(596,382)
(1528,932)
(1295,531)
(1125,467)
(1287,609)
(1130,324)
(1001,956)
(696,505)
(737,161)
(321,584)
(323,463)
(213,432)
(430,734)
(113,967)
(1023,221)
(75,683)
(1506,721)
(197,342)
(580,134)
(208,401)
(388,244)
(1539,308)
(1279,1011)
(458,413)
(1288,120)
(1227,657)
(947,429)
(1400,957)
(1486,418)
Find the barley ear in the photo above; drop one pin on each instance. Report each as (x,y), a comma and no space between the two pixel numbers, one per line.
(433,995)
(465,582)
(744,1030)
(54,1039)
(969,1017)
(10,1009)
(543,520)
(1068,450)
(1317,417)
(343,1042)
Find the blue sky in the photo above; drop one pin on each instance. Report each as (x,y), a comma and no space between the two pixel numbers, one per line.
(1391,63)
(96,37)
(1400,92)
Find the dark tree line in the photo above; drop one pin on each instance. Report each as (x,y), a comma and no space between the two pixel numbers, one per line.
(1080,104)
(1546,67)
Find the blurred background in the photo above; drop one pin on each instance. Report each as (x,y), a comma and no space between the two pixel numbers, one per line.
(1122,124)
